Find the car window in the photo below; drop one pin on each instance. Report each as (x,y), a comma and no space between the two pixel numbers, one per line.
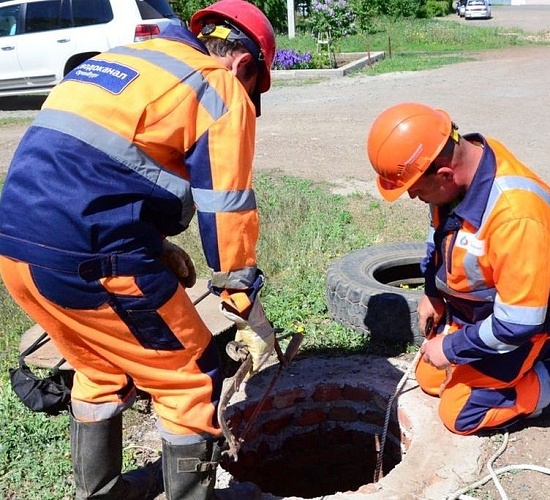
(43,16)
(155,9)
(8,20)
(88,12)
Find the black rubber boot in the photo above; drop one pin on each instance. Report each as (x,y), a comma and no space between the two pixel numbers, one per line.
(96,449)
(190,470)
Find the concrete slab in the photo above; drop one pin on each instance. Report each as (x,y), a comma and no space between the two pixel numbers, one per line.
(362,60)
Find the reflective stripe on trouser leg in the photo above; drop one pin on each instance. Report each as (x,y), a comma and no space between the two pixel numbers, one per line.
(543,376)
(184,384)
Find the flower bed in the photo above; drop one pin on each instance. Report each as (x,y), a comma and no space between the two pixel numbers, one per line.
(289,59)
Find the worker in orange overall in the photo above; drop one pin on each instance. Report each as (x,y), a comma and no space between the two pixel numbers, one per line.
(124,151)
(487,271)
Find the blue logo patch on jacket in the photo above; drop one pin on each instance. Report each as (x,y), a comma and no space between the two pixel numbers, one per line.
(110,76)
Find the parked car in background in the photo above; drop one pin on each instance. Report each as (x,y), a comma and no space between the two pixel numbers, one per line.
(42,40)
(460,7)
(477,9)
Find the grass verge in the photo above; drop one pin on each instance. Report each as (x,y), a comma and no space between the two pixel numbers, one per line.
(15,121)
(417,44)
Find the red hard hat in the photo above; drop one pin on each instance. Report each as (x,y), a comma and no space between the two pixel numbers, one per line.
(253,23)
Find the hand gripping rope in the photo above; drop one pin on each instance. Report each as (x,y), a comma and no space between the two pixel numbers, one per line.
(493,474)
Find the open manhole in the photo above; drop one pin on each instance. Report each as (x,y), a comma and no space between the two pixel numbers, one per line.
(319,431)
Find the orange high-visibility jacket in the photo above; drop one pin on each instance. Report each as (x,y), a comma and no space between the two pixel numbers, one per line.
(124,151)
(490,261)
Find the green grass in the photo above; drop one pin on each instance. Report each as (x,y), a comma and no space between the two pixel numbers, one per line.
(34,448)
(413,62)
(416,44)
(7,121)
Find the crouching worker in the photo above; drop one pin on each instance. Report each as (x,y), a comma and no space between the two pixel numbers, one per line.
(487,271)
(126,148)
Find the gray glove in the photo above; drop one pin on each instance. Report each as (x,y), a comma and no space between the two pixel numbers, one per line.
(256,333)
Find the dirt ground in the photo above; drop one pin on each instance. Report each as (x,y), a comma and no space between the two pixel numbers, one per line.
(318,130)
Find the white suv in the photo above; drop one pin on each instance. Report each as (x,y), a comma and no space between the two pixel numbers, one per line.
(42,40)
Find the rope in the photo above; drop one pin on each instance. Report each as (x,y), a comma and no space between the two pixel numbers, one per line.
(428,333)
(490,463)
(401,383)
(493,474)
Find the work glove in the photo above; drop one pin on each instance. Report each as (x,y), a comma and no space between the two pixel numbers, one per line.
(255,332)
(178,261)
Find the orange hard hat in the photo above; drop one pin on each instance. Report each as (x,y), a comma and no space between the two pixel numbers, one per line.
(402,143)
(242,16)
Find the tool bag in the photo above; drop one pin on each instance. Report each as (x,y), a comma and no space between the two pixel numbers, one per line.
(50,394)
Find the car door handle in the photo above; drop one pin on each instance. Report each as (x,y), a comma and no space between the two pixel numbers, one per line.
(8,47)
(63,40)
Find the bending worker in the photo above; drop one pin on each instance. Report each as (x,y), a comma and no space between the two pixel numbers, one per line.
(487,268)
(125,149)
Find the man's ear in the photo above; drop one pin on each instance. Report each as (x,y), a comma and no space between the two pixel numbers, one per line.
(445,173)
(244,68)
(240,62)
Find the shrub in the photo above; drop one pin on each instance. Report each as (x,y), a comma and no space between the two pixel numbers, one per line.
(275,10)
(366,12)
(186,8)
(332,17)
(435,8)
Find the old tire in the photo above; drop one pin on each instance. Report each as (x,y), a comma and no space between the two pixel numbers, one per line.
(375,290)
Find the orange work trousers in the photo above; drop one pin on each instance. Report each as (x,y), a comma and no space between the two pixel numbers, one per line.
(472,401)
(110,362)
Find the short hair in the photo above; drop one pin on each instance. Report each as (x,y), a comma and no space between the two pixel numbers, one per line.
(222,48)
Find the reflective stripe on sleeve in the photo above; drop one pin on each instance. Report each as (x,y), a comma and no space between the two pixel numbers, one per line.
(519,315)
(206,94)
(487,336)
(242,278)
(507,183)
(207,200)
(118,148)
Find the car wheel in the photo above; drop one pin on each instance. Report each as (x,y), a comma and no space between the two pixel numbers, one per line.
(376,290)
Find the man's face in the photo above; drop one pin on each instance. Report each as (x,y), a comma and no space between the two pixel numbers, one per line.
(438,184)
(437,188)
(427,189)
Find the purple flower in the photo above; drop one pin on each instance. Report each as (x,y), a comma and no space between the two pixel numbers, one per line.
(290,59)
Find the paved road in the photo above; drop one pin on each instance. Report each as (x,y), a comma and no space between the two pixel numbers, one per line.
(531,18)
(318,131)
